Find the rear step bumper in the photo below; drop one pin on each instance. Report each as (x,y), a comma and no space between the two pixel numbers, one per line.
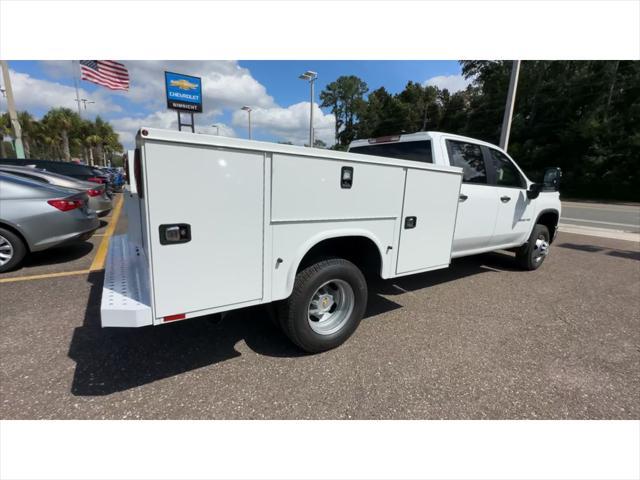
(125,295)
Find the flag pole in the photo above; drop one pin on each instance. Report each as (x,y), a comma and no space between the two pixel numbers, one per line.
(75,82)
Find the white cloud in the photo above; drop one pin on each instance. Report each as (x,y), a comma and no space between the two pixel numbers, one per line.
(291,123)
(225,84)
(33,93)
(127,127)
(453,83)
(222,129)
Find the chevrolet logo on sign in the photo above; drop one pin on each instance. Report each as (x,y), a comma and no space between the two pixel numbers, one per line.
(183,84)
(184,92)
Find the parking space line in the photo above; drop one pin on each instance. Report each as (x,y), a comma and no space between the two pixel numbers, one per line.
(44,275)
(101,255)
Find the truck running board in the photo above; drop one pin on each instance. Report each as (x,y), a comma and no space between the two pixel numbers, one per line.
(125,295)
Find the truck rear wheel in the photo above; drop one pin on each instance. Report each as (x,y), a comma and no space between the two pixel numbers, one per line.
(328,301)
(531,255)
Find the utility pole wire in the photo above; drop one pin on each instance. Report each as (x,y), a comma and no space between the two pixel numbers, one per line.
(511,100)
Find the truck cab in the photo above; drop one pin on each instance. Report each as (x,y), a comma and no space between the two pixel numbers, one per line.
(499,207)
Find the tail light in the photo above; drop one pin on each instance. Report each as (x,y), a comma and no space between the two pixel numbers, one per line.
(387,139)
(95,179)
(65,204)
(93,192)
(137,172)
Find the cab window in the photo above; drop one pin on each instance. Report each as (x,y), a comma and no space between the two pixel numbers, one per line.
(418,150)
(469,157)
(506,174)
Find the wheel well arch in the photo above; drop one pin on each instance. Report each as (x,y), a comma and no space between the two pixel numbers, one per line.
(549,218)
(18,233)
(361,250)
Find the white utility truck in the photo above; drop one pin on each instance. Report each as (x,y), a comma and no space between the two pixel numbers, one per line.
(216,224)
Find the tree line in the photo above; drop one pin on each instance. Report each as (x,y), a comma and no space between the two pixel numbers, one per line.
(61,134)
(583,116)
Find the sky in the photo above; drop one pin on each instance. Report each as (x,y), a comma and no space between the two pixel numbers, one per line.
(279,99)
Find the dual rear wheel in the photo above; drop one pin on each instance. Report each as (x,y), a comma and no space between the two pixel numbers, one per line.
(328,301)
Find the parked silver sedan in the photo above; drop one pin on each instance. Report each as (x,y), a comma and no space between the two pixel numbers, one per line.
(98,198)
(36,216)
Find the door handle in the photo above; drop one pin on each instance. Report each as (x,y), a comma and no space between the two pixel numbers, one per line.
(463,197)
(505,199)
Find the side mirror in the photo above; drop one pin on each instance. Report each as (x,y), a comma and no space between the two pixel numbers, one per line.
(552,176)
(534,191)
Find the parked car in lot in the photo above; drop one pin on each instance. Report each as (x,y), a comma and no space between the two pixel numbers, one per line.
(75,170)
(35,216)
(99,201)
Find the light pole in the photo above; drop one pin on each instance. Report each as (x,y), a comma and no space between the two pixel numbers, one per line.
(11,107)
(508,110)
(311,77)
(247,109)
(217,127)
(85,101)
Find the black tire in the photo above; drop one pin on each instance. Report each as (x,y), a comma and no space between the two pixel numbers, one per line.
(293,313)
(15,245)
(529,256)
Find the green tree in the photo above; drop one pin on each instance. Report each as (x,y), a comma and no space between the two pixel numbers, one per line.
(345,98)
(62,120)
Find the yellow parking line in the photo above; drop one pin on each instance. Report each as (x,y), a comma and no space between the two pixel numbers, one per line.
(44,275)
(101,255)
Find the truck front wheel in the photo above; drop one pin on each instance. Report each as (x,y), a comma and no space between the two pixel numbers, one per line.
(328,301)
(531,255)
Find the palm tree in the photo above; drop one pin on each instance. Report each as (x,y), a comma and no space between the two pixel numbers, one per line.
(28,126)
(92,141)
(62,120)
(5,130)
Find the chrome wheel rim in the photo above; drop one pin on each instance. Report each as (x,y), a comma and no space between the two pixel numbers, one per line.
(6,251)
(540,249)
(330,307)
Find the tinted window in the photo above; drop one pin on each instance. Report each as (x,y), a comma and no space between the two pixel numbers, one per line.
(65,168)
(30,177)
(507,175)
(468,156)
(419,151)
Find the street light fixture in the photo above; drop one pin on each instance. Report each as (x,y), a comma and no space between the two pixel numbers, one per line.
(310,76)
(85,101)
(248,109)
(217,127)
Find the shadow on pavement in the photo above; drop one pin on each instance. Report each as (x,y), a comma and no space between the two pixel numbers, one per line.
(583,248)
(67,253)
(630,254)
(112,360)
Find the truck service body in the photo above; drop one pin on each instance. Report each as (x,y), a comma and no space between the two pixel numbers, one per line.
(216,224)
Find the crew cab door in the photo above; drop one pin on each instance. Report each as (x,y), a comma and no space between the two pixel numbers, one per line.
(478,203)
(515,210)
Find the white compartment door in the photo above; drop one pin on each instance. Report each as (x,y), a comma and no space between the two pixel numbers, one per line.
(428,220)
(219,194)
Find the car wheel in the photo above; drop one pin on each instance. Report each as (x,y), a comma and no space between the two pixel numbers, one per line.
(327,303)
(12,250)
(533,253)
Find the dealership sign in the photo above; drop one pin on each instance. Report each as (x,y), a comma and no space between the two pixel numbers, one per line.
(184,92)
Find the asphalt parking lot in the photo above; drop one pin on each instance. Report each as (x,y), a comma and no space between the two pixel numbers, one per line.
(478,340)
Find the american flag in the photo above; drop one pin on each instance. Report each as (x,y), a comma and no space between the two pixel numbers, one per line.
(107,73)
